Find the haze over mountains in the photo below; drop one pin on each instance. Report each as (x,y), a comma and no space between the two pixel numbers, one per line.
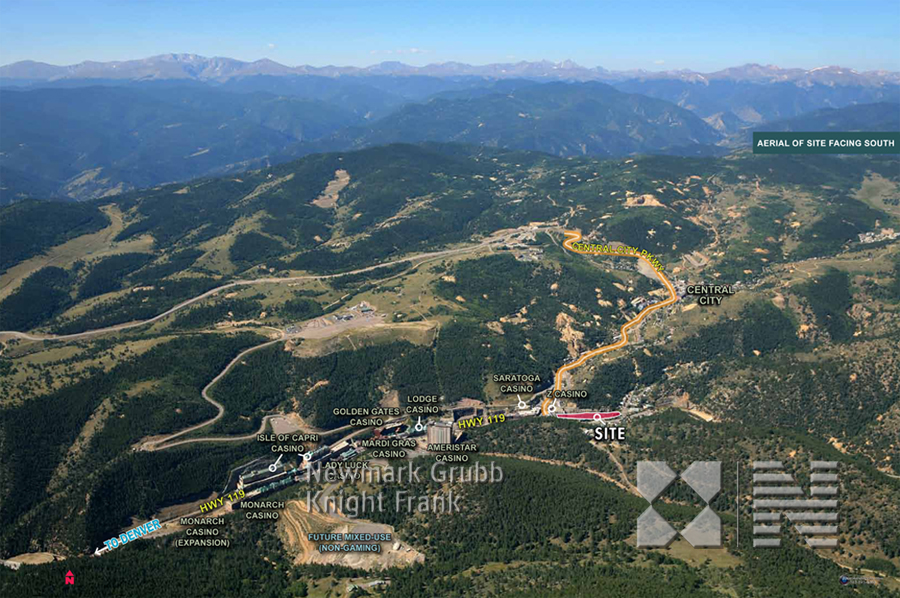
(557,118)
(97,140)
(192,66)
(100,128)
(883,116)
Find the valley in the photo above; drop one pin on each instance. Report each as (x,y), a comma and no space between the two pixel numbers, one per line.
(351,302)
(449,299)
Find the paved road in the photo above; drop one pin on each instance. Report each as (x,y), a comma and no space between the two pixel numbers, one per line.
(155,444)
(165,442)
(239,283)
(573,237)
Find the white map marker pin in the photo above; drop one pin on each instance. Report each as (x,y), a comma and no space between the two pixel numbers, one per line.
(274,465)
(522,404)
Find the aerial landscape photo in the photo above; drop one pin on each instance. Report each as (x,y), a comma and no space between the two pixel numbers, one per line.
(449,299)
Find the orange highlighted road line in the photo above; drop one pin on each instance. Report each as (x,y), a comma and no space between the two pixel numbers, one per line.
(573,237)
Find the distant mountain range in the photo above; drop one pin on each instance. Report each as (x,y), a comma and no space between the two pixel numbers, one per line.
(194,67)
(866,117)
(729,100)
(96,129)
(563,119)
(93,141)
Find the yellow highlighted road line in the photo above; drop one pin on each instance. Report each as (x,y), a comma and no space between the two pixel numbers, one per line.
(574,237)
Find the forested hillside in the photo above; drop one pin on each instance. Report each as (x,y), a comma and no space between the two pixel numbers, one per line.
(379,274)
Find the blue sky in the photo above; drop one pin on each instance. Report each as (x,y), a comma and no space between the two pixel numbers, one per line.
(698,35)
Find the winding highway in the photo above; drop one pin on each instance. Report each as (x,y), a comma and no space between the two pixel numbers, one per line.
(573,237)
(154,445)
(166,441)
(424,257)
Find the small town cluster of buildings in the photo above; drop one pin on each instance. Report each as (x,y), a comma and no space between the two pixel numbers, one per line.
(522,245)
(270,477)
(264,480)
(885,234)
(362,308)
(439,432)
(280,474)
(640,302)
(637,401)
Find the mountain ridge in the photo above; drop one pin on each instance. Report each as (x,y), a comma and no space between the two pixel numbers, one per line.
(194,66)
(562,119)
